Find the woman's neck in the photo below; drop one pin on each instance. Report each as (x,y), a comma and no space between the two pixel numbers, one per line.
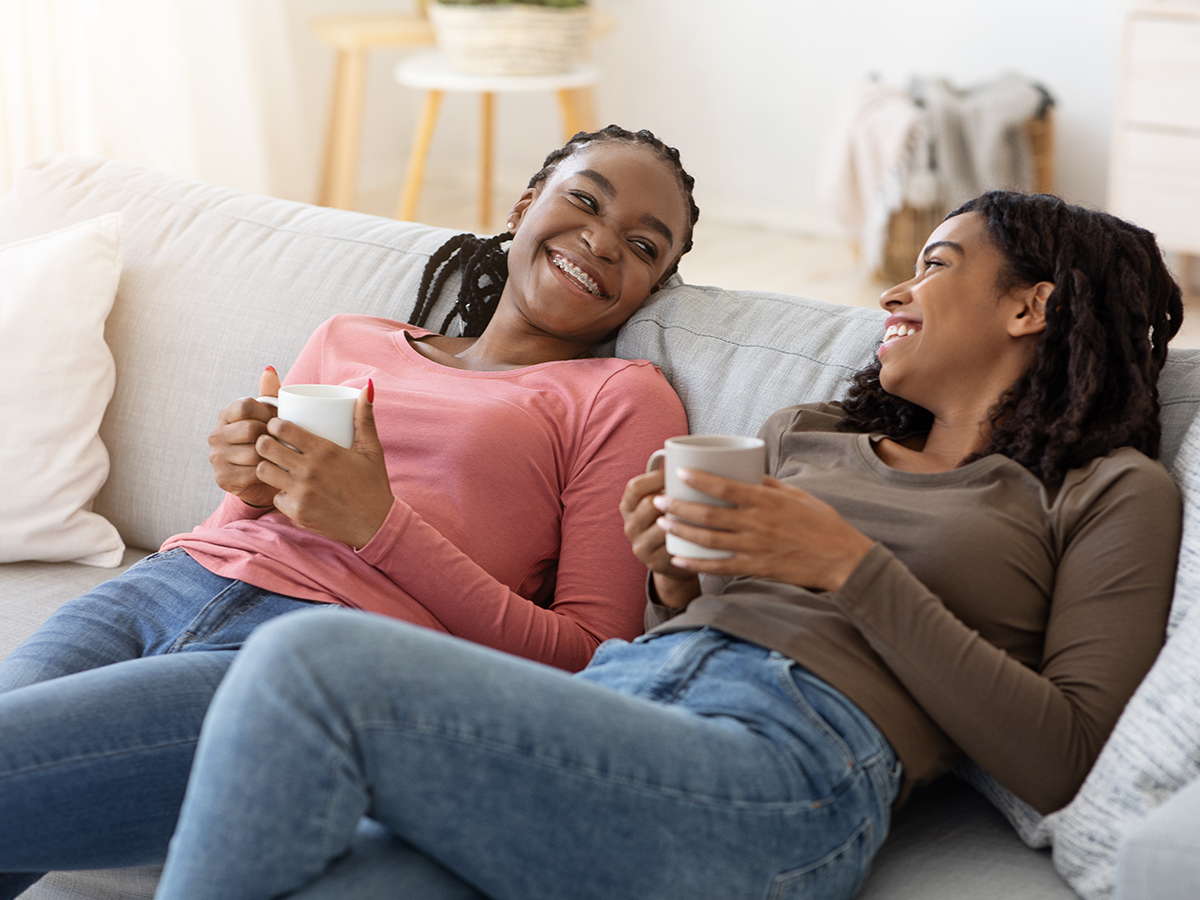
(941,449)
(484,354)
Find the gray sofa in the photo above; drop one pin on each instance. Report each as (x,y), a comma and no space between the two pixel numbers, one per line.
(217,283)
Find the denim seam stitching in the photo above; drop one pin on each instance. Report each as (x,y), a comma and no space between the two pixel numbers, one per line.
(92,757)
(591,772)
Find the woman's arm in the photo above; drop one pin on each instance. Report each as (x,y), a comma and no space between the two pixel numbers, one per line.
(599,584)
(1037,732)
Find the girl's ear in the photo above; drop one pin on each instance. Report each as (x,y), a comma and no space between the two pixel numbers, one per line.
(517,213)
(1030,317)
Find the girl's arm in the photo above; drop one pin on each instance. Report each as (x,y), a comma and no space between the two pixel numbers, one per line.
(1037,731)
(599,584)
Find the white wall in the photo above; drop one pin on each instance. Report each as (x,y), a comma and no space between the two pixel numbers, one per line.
(747,88)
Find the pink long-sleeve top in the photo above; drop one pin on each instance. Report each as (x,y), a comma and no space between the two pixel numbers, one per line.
(504,529)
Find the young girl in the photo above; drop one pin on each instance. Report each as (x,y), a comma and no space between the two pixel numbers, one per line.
(478,499)
(973,554)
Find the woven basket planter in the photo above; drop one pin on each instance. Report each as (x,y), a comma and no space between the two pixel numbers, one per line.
(510,38)
(909,227)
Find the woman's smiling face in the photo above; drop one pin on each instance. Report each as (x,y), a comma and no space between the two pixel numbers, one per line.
(949,323)
(594,240)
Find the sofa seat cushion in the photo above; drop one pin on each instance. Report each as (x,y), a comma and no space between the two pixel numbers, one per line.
(949,843)
(137,883)
(30,591)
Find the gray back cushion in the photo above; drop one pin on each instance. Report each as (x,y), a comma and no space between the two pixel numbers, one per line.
(217,284)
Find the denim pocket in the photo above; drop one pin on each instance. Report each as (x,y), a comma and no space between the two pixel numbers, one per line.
(836,876)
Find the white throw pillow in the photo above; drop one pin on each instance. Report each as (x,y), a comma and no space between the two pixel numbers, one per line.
(56,378)
(1153,751)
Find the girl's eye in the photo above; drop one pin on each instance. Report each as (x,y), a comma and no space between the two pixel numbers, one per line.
(585,200)
(646,247)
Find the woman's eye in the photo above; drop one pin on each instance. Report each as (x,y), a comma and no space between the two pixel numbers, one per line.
(585,200)
(646,247)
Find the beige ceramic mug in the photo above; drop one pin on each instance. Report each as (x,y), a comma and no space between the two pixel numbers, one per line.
(730,456)
(327,410)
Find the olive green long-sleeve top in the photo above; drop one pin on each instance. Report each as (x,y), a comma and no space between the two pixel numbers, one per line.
(993,617)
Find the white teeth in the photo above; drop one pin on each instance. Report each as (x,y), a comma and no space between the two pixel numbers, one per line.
(899,331)
(585,280)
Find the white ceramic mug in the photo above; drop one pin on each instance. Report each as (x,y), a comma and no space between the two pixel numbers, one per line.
(327,410)
(739,458)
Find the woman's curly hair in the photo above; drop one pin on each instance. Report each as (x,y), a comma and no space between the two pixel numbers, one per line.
(1093,384)
(484,261)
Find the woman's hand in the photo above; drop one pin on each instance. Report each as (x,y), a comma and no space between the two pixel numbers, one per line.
(342,494)
(775,531)
(674,586)
(231,445)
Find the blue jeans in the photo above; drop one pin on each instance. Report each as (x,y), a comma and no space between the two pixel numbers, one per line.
(100,710)
(690,765)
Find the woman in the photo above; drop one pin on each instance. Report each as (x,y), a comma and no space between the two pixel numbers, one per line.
(478,500)
(972,555)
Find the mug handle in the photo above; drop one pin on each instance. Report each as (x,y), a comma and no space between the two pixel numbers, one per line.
(270,401)
(657,460)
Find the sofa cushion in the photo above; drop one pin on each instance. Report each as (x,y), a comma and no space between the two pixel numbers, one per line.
(56,291)
(1179,394)
(30,591)
(948,843)
(216,285)
(735,357)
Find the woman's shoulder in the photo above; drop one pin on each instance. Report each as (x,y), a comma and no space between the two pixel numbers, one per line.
(359,322)
(619,371)
(1123,472)
(804,417)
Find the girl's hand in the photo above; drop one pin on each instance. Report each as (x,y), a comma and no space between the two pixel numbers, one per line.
(342,494)
(776,531)
(231,445)
(675,587)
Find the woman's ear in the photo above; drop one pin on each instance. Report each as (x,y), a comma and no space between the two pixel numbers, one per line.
(518,211)
(1030,316)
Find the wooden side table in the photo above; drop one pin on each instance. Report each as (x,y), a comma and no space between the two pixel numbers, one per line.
(431,72)
(353,37)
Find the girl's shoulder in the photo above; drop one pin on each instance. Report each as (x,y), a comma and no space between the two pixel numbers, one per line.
(804,417)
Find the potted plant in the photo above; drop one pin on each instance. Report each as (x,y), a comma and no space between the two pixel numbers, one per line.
(503,37)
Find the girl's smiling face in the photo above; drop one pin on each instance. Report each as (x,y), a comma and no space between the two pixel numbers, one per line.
(951,324)
(594,240)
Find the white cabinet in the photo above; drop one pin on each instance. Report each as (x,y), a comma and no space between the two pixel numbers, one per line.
(1155,173)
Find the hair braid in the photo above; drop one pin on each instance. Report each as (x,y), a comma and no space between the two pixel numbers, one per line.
(1092,386)
(483,262)
(484,266)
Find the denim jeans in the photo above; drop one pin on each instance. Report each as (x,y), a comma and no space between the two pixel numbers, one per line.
(101,708)
(690,765)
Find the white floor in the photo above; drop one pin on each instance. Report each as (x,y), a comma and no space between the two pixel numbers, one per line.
(726,255)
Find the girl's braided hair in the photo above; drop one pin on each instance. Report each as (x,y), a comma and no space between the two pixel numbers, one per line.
(484,261)
(1093,384)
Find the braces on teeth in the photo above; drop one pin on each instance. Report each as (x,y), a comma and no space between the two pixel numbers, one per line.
(578,274)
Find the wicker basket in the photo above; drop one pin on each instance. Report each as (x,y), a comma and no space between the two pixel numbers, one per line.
(909,228)
(510,38)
